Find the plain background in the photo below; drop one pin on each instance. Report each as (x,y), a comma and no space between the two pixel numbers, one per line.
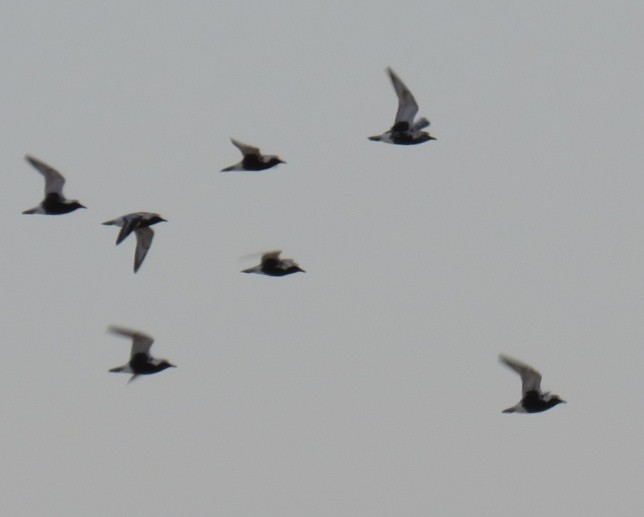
(368,386)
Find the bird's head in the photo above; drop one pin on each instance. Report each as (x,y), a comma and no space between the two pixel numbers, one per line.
(157,219)
(275,160)
(74,205)
(165,364)
(553,400)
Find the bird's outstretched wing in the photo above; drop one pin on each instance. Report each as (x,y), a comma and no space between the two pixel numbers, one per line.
(421,123)
(407,105)
(143,242)
(274,255)
(245,148)
(530,378)
(129,224)
(54,180)
(141,343)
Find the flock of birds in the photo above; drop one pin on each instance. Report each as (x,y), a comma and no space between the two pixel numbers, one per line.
(405,131)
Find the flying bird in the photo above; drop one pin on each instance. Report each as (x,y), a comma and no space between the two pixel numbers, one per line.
(141,362)
(54,202)
(405,130)
(139,223)
(273,265)
(253,159)
(533,399)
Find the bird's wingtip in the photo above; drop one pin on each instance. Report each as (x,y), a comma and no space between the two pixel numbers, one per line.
(120,331)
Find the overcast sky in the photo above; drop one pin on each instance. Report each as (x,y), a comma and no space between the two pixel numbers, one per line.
(370,385)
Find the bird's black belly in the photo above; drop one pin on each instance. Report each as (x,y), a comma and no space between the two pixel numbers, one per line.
(274,267)
(253,163)
(533,403)
(141,365)
(54,205)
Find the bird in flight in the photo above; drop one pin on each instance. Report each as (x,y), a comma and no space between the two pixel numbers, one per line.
(139,223)
(141,362)
(533,400)
(253,159)
(54,202)
(272,265)
(405,130)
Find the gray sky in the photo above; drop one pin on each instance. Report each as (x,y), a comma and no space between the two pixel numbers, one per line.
(368,386)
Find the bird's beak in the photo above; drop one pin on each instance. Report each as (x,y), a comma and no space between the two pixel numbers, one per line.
(281,161)
(301,270)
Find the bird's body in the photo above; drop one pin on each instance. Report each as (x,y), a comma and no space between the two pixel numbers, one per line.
(533,399)
(253,159)
(141,362)
(273,265)
(54,202)
(139,223)
(406,130)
